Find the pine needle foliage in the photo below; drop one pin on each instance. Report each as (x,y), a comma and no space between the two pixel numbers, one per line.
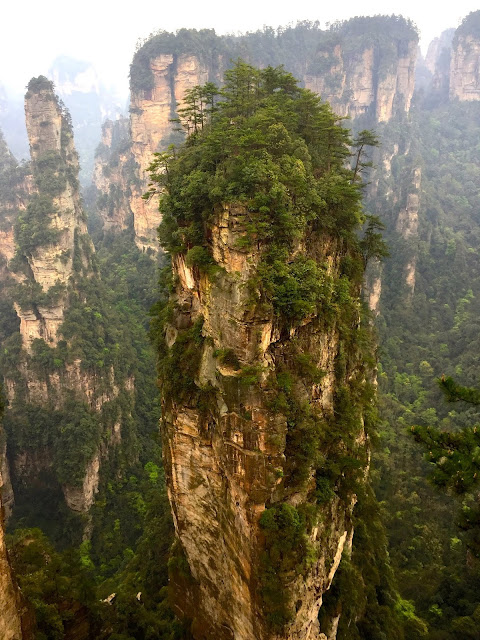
(275,149)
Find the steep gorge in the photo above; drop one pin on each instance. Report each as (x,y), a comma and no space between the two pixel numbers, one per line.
(242,377)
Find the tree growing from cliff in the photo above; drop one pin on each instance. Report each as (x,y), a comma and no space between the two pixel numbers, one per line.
(269,144)
(278,152)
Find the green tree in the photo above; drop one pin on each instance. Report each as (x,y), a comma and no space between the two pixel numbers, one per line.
(455,455)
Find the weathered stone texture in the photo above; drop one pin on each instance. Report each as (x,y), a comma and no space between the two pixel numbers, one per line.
(465,69)
(224,464)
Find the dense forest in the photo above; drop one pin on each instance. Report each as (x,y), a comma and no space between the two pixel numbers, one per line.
(395,190)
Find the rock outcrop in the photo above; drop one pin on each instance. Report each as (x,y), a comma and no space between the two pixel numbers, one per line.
(55,171)
(10,604)
(226,456)
(59,376)
(151,114)
(465,60)
(113,176)
(360,82)
(438,60)
(366,68)
(407,224)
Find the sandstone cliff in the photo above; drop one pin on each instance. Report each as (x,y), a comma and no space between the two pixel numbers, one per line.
(360,75)
(10,605)
(114,175)
(225,463)
(464,66)
(151,112)
(407,223)
(66,399)
(438,60)
(55,169)
(256,390)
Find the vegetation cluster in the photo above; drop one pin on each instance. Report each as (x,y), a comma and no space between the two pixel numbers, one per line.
(276,151)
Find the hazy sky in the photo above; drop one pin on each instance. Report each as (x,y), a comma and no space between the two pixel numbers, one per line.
(34,32)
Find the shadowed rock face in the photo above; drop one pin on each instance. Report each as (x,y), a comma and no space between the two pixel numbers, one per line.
(226,455)
(10,605)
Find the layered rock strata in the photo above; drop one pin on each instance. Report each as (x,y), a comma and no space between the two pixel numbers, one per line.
(151,114)
(359,74)
(359,83)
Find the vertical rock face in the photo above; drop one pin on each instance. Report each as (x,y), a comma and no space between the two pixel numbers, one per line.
(465,60)
(55,169)
(464,69)
(10,607)
(407,224)
(436,50)
(113,176)
(59,373)
(395,195)
(226,455)
(151,112)
(358,78)
(438,60)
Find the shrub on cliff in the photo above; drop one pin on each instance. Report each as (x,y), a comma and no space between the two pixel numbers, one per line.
(278,151)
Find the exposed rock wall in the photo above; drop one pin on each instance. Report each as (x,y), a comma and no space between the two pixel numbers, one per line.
(113,175)
(369,79)
(358,83)
(225,458)
(10,605)
(150,127)
(465,69)
(51,269)
(407,224)
(51,142)
(438,60)
(436,48)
